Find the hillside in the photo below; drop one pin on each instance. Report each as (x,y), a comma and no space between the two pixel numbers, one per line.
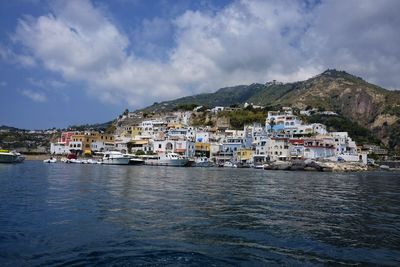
(366,104)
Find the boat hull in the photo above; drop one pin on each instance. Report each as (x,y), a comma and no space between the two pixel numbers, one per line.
(116,161)
(136,162)
(11,158)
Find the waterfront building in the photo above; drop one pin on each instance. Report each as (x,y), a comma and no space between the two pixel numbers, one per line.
(244,155)
(319,147)
(278,148)
(344,144)
(202,149)
(183,147)
(59,148)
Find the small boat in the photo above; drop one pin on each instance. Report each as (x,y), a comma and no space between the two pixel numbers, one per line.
(228,164)
(50,160)
(258,166)
(7,156)
(115,158)
(92,161)
(203,162)
(74,161)
(168,159)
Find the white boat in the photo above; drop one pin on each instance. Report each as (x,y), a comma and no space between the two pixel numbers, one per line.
(50,160)
(74,161)
(115,158)
(203,162)
(10,157)
(228,164)
(168,159)
(92,161)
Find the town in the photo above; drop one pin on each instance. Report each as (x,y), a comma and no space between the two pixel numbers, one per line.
(283,138)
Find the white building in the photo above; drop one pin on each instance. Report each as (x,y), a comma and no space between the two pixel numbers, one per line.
(319,147)
(183,147)
(344,144)
(281,120)
(59,149)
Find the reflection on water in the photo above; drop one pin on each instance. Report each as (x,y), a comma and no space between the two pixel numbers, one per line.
(59,214)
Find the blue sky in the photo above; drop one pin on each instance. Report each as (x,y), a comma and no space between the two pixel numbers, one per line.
(81,61)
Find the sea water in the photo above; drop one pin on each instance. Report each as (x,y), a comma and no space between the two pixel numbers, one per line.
(103,215)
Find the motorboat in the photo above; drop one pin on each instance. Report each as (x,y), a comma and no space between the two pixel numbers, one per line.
(115,158)
(203,162)
(92,161)
(7,156)
(136,161)
(74,161)
(50,160)
(228,164)
(168,159)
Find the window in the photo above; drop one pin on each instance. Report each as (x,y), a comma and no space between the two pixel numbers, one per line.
(159,145)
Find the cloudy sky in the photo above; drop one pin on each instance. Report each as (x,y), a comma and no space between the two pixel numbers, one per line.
(85,61)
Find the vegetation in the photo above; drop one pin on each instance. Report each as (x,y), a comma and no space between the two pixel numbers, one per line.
(239,118)
(140,152)
(18,140)
(185,107)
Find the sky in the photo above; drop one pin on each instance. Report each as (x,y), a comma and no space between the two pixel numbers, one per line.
(85,61)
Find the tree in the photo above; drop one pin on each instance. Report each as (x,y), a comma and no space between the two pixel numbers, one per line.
(140,152)
(272,123)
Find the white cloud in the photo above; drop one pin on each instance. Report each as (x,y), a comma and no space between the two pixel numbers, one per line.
(3,83)
(46,84)
(7,54)
(35,96)
(361,37)
(246,42)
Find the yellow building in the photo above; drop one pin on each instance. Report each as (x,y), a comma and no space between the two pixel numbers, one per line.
(87,138)
(244,154)
(132,130)
(202,149)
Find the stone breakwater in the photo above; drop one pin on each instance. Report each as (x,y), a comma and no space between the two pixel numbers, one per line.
(309,165)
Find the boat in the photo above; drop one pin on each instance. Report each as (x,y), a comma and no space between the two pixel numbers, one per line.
(115,158)
(50,160)
(203,162)
(7,156)
(74,161)
(92,161)
(168,159)
(228,164)
(136,161)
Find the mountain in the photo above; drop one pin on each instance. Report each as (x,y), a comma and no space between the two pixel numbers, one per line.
(10,128)
(363,103)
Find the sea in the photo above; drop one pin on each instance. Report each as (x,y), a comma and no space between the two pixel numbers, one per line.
(102,215)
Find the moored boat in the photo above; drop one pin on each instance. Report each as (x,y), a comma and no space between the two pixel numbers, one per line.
(115,158)
(7,156)
(228,164)
(168,159)
(203,162)
(50,160)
